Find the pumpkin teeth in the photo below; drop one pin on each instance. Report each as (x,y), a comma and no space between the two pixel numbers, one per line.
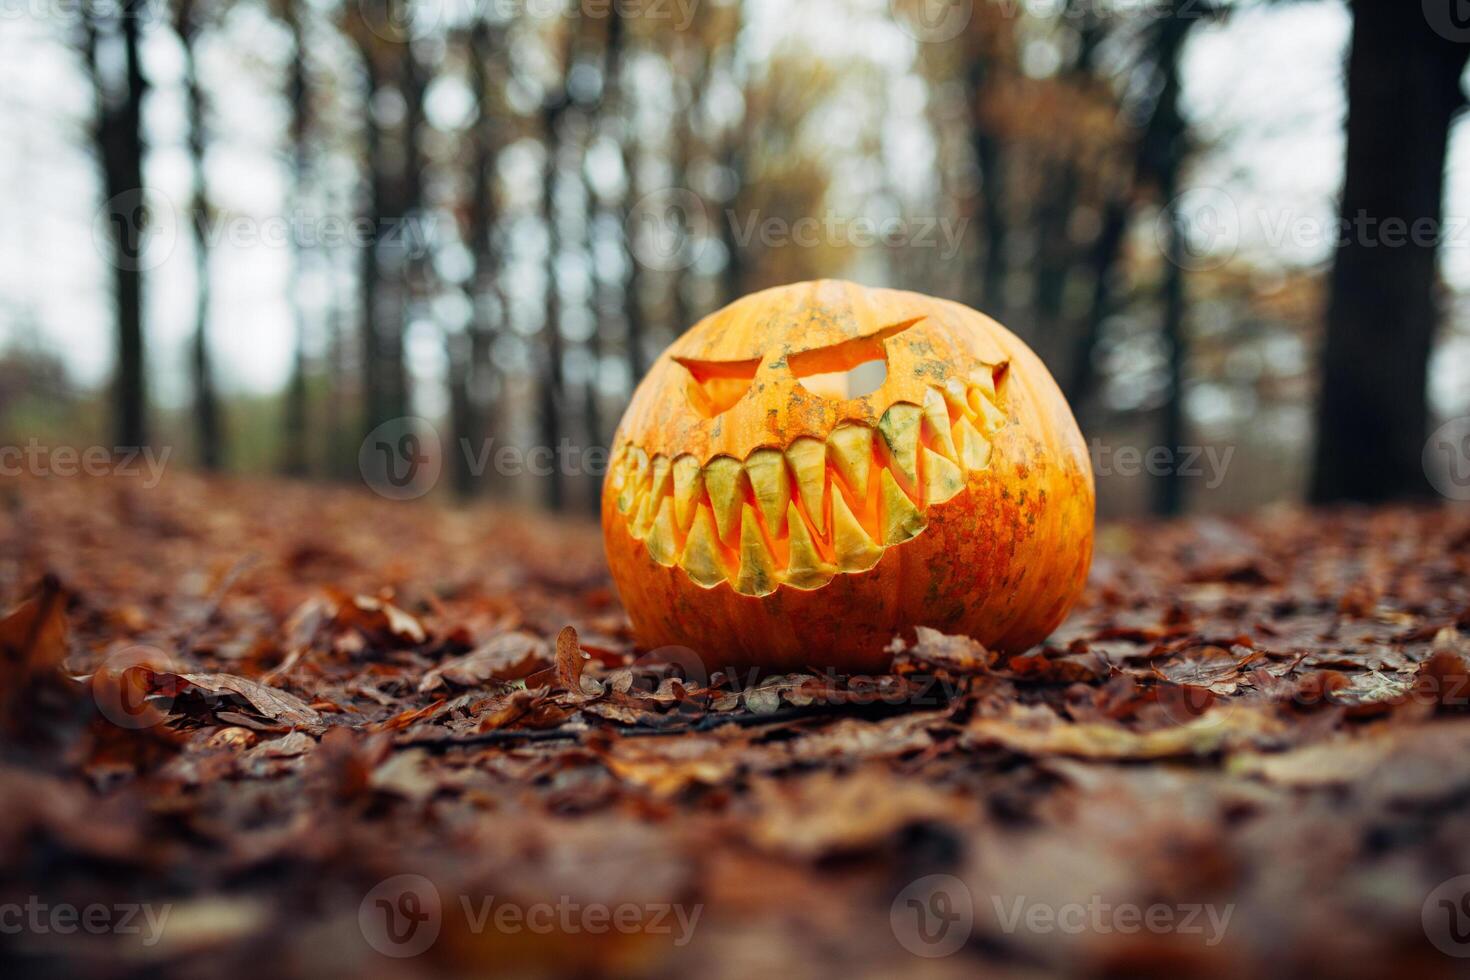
(957,395)
(757,565)
(771,485)
(990,417)
(936,424)
(901,519)
(702,558)
(806,569)
(899,428)
(984,379)
(722,480)
(661,472)
(695,516)
(942,478)
(851,450)
(808,458)
(855,549)
(644,514)
(661,543)
(688,482)
(974,448)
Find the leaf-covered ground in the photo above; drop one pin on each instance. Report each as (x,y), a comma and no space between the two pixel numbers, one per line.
(251,706)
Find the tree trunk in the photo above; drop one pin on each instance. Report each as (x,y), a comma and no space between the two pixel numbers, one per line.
(369,277)
(208,432)
(295,455)
(1403,92)
(118,138)
(990,160)
(552,390)
(469,412)
(1168,159)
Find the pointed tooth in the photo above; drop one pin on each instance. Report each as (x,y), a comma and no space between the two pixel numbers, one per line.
(956,394)
(626,496)
(936,423)
(856,551)
(807,569)
(701,557)
(990,417)
(661,542)
(899,428)
(901,519)
(942,478)
(639,461)
(722,480)
(757,566)
(772,486)
(851,449)
(629,478)
(661,471)
(808,459)
(643,514)
(984,379)
(617,473)
(687,484)
(974,448)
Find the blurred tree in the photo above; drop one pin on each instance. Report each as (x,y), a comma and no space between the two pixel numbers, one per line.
(392,100)
(209,434)
(471,370)
(1404,90)
(119,88)
(296,437)
(1163,159)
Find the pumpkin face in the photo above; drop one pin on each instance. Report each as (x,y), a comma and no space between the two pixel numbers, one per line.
(765,508)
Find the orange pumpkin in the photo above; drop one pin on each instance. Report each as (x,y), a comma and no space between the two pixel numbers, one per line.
(762,510)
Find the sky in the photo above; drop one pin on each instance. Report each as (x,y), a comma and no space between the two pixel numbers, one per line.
(1264,91)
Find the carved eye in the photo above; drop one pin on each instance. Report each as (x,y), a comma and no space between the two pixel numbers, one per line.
(716,385)
(851,369)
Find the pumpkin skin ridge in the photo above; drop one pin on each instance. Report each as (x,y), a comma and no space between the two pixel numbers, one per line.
(1001,560)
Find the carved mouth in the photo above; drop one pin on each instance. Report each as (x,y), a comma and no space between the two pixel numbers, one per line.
(816,509)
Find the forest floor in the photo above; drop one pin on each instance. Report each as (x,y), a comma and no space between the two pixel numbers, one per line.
(268,729)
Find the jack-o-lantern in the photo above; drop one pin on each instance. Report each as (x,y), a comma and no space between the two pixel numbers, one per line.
(764,508)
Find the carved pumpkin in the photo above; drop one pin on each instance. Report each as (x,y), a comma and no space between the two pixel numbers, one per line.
(763,511)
